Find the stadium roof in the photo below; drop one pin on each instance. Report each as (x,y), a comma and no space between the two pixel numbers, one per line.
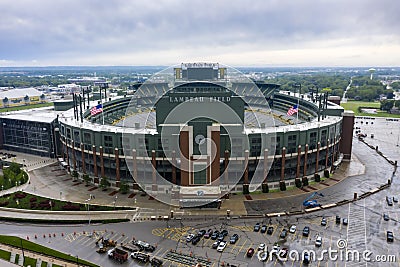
(20,93)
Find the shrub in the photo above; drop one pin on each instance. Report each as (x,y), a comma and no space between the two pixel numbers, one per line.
(4,204)
(282,186)
(246,189)
(19,195)
(305,181)
(317,177)
(297,182)
(326,173)
(33,199)
(265,188)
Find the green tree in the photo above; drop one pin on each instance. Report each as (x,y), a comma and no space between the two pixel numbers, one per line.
(124,187)
(86,178)
(75,175)
(104,183)
(387,105)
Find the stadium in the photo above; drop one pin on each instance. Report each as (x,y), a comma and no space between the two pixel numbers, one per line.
(202,130)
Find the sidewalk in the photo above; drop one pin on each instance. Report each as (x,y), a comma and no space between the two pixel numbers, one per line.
(33,255)
(52,181)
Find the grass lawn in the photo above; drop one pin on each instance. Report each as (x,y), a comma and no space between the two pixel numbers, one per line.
(26,107)
(5,255)
(29,261)
(33,202)
(16,241)
(354,105)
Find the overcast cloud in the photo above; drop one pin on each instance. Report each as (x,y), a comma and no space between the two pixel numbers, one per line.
(240,33)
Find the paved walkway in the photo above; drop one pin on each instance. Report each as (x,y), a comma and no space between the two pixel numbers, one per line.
(33,255)
(48,179)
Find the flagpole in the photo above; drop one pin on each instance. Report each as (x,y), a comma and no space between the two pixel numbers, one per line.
(298,105)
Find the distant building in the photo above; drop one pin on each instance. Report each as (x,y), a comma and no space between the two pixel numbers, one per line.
(21,97)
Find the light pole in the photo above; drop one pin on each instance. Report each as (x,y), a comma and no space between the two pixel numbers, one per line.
(88,206)
(115,201)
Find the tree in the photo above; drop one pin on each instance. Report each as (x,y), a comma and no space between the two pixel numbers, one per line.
(104,183)
(124,187)
(86,178)
(387,105)
(75,175)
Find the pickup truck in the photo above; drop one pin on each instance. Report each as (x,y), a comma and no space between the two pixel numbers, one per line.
(118,254)
(142,257)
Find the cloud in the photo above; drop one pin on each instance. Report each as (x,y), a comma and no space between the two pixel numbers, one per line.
(130,32)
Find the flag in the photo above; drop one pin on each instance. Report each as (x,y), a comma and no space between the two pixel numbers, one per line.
(293,110)
(96,109)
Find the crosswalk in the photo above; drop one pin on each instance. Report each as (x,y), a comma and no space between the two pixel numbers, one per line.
(356,233)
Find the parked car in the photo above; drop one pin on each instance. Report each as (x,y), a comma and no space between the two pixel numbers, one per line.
(257,227)
(261,246)
(323,221)
(221,246)
(250,252)
(201,232)
(292,229)
(224,232)
(215,244)
(263,229)
(306,258)
(337,220)
(275,249)
(389,201)
(395,199)
(283,234)
(234,239)
(283,253)
(389,236)
(270,230)
(306,231)
(221,237)
(386,217)
(345,221)
(190,237)
(318,241)
(208,234)
(215,235)
(196,240)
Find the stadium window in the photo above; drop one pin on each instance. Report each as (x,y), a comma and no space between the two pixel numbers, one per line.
(108,141)
(323,137)
(313,140)
(68,133)
(77,137)
(292,143)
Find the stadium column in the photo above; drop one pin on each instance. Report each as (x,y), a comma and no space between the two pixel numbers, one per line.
(154,170)
(226,163)
(83,159)
(134,160)
(101,162)
(317,158)
(215,151)
(185,155)
(283,164)
(346,141)
(298,161)
(73,155)
(174,167)
(246,173)
(96,179)
(265,166)
(117,172)
(334,151)
(327,154)
(305,161)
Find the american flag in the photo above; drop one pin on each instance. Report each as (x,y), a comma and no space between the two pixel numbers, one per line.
(292,110)
(96,109)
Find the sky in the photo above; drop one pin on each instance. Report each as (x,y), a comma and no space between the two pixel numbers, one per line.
(233,32)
